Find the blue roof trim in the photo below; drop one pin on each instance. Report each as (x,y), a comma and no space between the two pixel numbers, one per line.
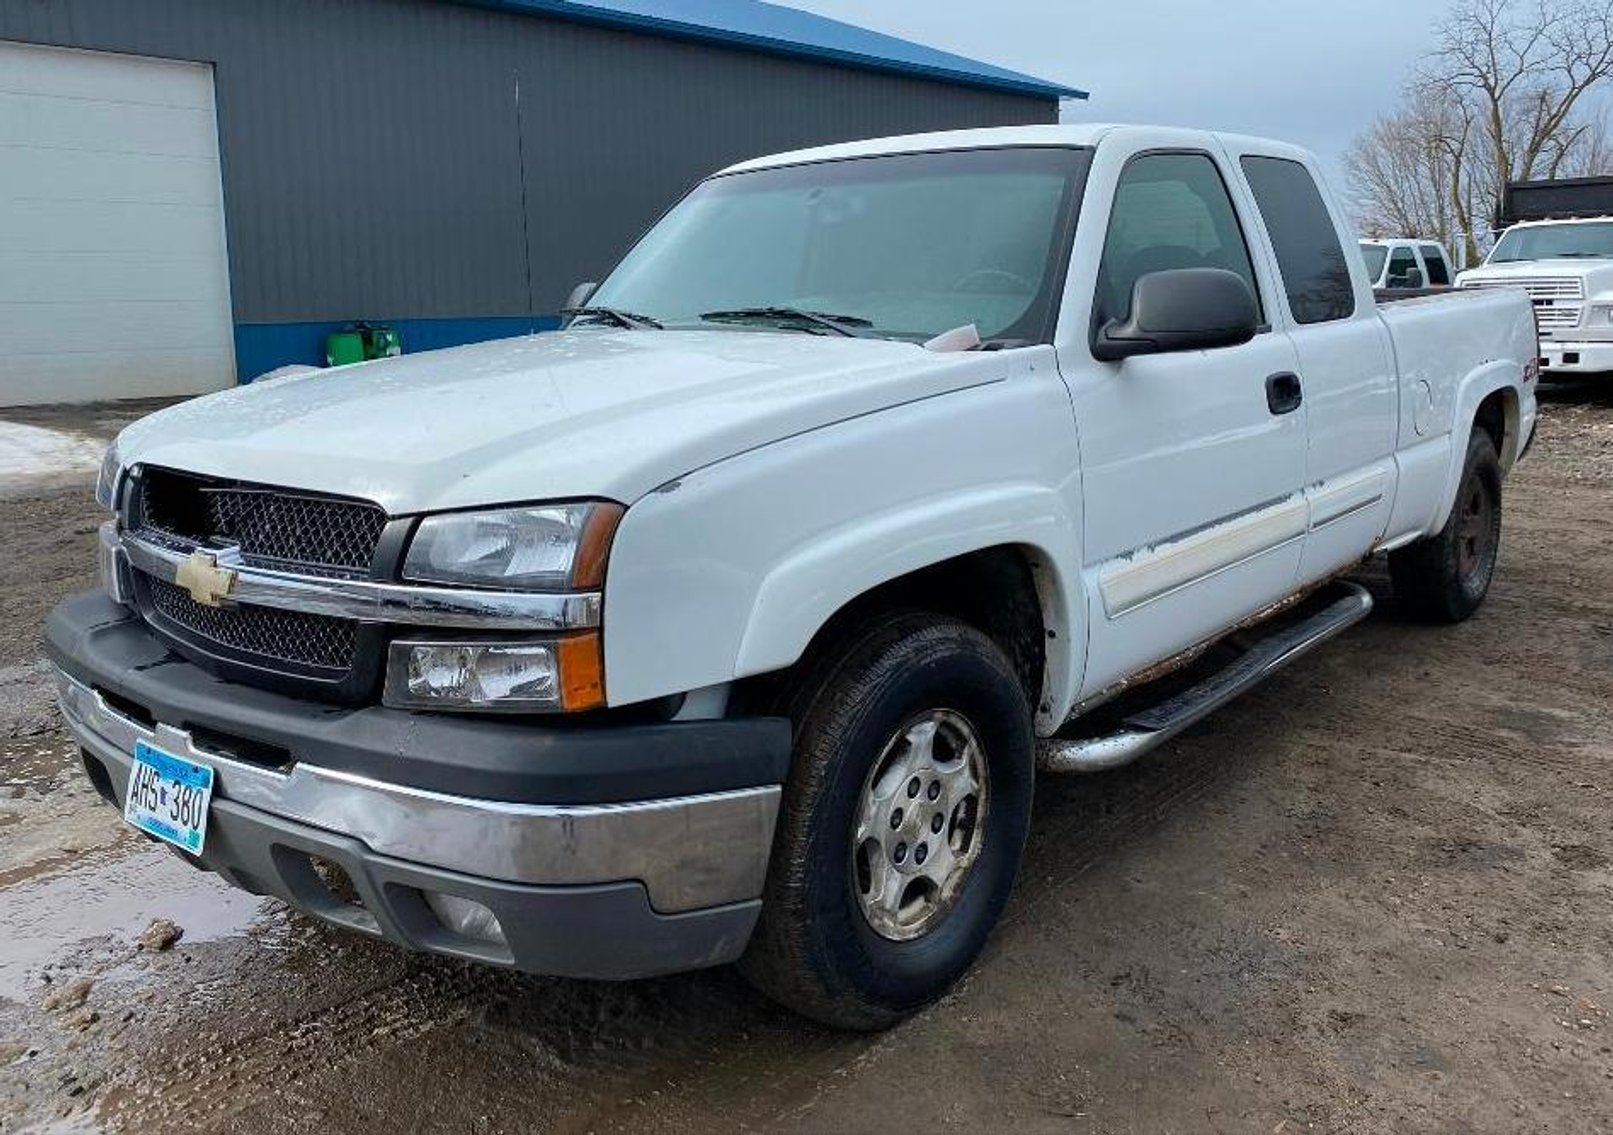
(778,30)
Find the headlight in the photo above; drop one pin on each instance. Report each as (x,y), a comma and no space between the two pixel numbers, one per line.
(558,547)
(506,677)
(106,481)
(1601,315)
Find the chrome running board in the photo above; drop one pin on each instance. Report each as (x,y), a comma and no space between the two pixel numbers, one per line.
(1153,725)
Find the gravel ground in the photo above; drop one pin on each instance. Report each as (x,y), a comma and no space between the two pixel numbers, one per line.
(1375,895)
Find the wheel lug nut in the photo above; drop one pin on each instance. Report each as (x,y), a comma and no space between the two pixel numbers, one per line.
(900,854)
(935,790)
(896,819)
(921,853)
(936,823)
(913,787)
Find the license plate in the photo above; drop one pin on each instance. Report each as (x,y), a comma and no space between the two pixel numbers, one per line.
(168,797)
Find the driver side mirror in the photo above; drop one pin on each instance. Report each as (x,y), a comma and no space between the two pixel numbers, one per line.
(1182,309)
(1414,278)
(581,293)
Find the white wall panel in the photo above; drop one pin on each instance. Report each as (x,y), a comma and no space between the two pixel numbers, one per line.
(113,268)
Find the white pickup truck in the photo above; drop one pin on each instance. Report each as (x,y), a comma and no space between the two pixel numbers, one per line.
(1397,263)
(1566,267)
(734,621)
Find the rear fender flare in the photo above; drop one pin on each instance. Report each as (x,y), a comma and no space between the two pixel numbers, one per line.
(1485,380)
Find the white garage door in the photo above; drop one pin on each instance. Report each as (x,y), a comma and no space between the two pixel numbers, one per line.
(113,277)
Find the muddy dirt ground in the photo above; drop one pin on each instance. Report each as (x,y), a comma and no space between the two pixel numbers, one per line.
(1375,895)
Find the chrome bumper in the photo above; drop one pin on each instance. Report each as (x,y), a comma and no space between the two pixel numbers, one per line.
(689,852)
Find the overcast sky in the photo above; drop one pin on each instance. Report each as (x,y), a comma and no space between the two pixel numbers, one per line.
(1315,74)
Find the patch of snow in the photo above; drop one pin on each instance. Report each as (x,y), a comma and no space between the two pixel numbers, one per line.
(33,451)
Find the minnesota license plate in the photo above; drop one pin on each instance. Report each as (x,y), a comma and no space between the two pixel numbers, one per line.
(168,797)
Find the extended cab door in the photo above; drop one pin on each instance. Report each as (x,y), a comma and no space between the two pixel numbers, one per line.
(1192,462)
(1346,363)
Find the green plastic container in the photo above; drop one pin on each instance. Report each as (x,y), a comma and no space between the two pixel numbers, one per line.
(361,341)
(343,347)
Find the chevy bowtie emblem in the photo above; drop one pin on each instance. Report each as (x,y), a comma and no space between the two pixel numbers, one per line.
(207,583)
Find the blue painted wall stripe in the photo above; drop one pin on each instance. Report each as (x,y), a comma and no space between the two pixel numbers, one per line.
(261,347)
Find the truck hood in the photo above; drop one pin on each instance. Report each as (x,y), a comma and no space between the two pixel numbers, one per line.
(1597,274)
(585,413)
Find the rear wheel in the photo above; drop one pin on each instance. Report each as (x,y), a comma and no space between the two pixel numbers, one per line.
(1444,578)
(903,823)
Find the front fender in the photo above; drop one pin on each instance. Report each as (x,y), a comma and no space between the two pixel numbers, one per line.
(730,570)
(802,591)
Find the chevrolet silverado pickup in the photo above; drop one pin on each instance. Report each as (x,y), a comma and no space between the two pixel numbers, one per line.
(735,621)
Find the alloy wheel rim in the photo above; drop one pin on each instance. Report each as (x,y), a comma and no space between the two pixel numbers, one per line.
(919,825)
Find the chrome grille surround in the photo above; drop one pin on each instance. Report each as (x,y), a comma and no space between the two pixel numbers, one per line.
(368,600)
(264,527)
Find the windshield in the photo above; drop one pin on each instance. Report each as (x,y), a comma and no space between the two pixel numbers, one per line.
(913,244)
(1374,255)
(1544,242)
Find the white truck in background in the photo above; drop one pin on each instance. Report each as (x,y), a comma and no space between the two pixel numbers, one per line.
(1397,263)
(734,621)
(1559,249)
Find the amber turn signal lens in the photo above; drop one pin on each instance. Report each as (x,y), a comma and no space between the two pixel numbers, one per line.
(582,672)
(593,549)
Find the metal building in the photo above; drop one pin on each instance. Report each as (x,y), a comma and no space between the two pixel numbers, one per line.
(193,192)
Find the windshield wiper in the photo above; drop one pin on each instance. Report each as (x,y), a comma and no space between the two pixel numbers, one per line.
(839,324)
(632,320)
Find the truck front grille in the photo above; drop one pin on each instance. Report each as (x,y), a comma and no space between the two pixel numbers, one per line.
(329,658)
(314,641)
(276,528)
(1559,300)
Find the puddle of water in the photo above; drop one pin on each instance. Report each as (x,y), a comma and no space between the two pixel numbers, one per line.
(117,899)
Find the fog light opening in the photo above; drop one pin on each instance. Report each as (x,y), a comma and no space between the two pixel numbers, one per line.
(337,881)
(466,918)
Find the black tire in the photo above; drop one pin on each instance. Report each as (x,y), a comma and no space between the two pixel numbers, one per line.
(815,950)
(1444,578)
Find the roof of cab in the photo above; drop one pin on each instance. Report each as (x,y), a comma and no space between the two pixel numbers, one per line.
(778,30)
(1070,134)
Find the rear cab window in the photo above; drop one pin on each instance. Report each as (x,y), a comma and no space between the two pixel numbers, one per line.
(1401,265)
(1439,273)
(1315,273)
(1374,256)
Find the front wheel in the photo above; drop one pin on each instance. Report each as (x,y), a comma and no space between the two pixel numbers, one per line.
(1444,578)
(903,822)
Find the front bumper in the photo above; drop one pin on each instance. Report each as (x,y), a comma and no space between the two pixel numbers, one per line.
(1561,357)
(594,882)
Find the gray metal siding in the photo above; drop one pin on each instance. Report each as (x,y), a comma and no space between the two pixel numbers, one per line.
(373,150)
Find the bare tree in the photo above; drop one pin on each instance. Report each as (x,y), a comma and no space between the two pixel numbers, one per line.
(1410,174)
(1503,96)
(1522,70)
